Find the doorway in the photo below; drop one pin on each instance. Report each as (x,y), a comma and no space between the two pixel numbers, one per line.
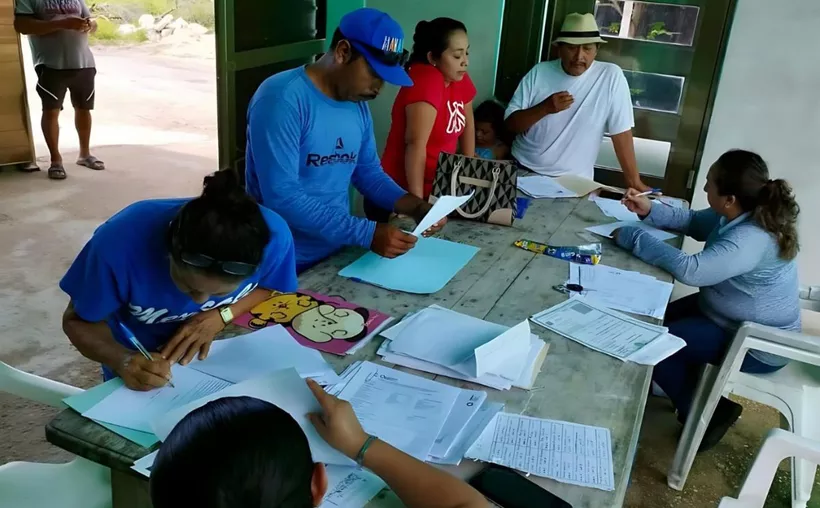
(670,52)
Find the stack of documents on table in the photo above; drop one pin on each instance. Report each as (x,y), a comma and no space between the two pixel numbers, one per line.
(609,331)
(129,413)
(566,452)
(621,289)
(617,210)
(442,341)
(423,418)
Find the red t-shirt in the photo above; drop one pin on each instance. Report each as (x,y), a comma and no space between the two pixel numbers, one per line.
(449,101)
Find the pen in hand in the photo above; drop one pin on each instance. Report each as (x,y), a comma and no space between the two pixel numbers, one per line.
(136,343)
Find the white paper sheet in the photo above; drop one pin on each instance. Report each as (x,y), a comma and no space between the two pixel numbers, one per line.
(525,381)
(538,186)
(445,337)
(505,355)
(143,466)
(444,206)
(135,410)
(621,290)
(466,406)
(285,389)
(350,487)
(401,409)
(607,229)
(615,209)
(262,352)
(469,435)
(599,328)
(566,452)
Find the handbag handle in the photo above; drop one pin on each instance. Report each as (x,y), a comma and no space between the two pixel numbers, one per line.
(454,188)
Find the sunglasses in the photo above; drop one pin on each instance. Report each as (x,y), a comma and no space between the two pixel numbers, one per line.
(236,268)
(392,58)
(204,262)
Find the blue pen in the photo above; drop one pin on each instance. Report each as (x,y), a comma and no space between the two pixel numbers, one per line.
(133,339)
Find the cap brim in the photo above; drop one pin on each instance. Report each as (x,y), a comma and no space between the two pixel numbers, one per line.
(578,41)
(393,74)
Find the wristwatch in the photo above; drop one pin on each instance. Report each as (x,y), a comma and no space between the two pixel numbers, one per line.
(226,314)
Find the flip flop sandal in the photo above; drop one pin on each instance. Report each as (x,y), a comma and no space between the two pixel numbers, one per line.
(91,162)
(56,172)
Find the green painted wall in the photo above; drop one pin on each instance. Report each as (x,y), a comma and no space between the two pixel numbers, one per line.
(483,21)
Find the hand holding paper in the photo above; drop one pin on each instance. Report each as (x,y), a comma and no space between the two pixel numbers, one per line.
(444,206)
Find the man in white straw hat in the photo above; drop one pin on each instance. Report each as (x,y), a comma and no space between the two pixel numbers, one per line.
(562,108)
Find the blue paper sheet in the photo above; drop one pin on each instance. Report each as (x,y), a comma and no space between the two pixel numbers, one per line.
(82,402)
(425,269)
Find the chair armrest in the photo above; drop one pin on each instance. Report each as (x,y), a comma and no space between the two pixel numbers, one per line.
(807,343)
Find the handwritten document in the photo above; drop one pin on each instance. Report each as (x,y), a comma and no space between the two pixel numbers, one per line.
(350,487)
(135,410)
(621,289)
(566,452)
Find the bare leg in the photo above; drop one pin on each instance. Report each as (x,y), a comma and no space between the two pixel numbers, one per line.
(82,121)
(50,123)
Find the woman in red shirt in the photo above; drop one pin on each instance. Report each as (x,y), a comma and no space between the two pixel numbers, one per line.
(434,114)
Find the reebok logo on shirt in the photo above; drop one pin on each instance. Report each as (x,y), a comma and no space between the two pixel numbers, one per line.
(315,159)
(457,119)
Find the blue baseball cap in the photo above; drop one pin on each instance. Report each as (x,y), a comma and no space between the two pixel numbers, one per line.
(380,39)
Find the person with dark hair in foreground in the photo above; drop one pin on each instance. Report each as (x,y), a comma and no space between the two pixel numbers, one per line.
(241,452)
(310,136)
(174,272)
(433,115)
(746,272)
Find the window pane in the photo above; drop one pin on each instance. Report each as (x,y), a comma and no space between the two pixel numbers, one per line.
(665,23)
(658,92)
(652,156)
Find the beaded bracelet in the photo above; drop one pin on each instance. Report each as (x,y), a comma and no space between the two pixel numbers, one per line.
(365,446)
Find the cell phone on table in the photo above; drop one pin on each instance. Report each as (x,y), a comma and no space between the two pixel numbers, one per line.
(611,195)
(508,489)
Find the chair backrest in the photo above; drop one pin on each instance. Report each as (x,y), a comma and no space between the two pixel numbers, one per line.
(35,388)
(779,444)
(792,345)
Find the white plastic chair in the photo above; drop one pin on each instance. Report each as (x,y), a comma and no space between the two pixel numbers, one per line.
(778,445)
(793,390)
(76,484)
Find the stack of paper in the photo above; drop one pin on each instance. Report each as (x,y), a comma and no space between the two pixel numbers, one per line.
(130,413)
(445,342)
(621,289)
(566,452)
(609,332)
(544,187)
(401,409)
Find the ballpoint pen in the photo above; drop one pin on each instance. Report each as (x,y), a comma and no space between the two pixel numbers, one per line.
(133,339)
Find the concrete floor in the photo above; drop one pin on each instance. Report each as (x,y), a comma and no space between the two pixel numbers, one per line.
(155,128)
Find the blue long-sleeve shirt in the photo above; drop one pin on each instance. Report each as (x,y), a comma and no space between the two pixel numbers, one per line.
(740,273)
(304,150)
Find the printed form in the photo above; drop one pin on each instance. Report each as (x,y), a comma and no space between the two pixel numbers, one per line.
(566,452)
(598,328)
(404,410)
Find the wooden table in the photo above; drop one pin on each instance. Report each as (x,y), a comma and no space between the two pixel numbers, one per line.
(503,284)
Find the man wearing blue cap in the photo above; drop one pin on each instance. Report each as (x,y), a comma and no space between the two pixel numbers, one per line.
(310,135)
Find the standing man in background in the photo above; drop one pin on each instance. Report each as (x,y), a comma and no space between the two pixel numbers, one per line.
(58,33)
(562,108)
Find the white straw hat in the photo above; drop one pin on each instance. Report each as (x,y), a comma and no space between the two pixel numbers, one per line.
(579,29)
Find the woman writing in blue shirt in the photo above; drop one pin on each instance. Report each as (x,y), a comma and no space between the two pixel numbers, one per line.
(746,272)
(174,272)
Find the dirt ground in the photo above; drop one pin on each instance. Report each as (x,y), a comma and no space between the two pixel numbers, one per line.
(155,126)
